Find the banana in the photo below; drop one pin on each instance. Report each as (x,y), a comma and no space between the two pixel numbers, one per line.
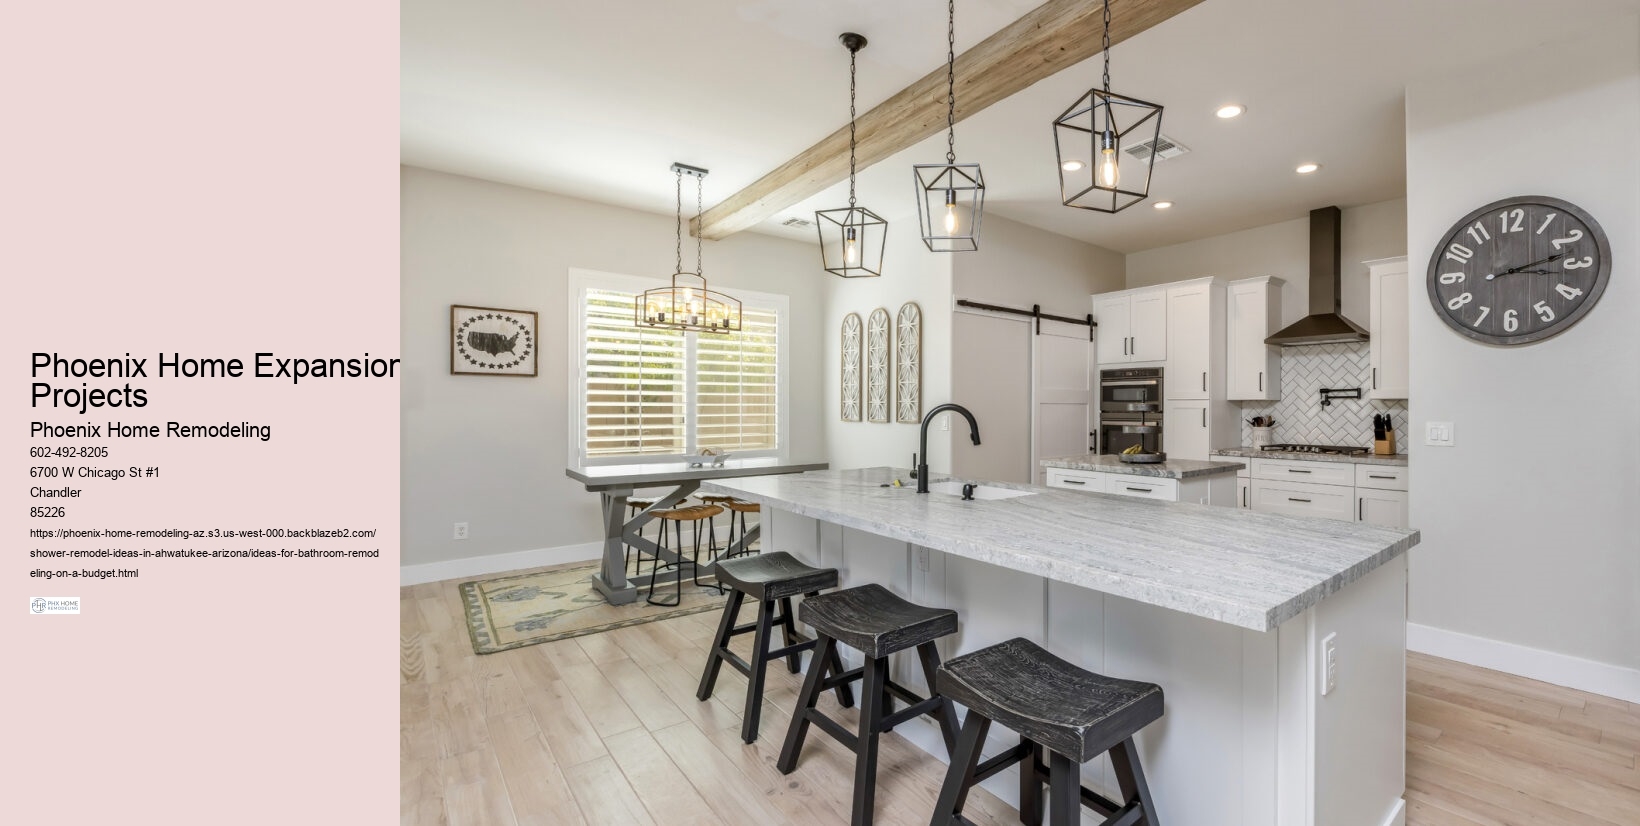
(1135,449)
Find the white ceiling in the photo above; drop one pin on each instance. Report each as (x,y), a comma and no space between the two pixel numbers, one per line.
(596,99)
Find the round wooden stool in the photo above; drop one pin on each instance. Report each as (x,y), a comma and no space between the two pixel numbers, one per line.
(711,524)
(739,509)
(678,516)
(1072,713)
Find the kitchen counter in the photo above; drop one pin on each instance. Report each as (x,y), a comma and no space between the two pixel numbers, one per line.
(1236,614)
(1399,459)
(1252,570)
(1170,469)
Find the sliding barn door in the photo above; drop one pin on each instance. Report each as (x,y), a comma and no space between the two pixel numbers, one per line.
(1064,380)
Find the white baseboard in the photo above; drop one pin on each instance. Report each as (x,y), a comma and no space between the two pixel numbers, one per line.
(1397,815)
(1548,666)
(497,563)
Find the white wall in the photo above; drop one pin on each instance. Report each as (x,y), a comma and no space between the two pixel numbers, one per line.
(1018,265)
(491,451)
(1529,537)
(1369,231)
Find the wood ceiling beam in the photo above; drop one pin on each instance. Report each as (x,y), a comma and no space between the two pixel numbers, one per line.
(1053,36)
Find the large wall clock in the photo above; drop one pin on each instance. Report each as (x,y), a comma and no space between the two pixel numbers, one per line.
(1519,270)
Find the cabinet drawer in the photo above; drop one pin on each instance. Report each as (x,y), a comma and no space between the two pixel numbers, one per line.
(1144,487)
(1088,480)
(1304,499)
(1381,477)
(1322,473)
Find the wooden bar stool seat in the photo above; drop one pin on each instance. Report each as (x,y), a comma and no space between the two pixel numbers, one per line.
(878,623)
(738,511)
(1071,712)
(677,516)
(772,579)
(711,524)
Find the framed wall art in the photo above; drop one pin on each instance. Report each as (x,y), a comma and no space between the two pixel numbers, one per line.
(851,367)
(877,367)
(488,341)
(908,364)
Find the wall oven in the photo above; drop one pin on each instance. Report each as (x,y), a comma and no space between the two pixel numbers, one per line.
(1117,390)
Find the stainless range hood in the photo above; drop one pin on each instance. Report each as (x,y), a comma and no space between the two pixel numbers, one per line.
(1324,324)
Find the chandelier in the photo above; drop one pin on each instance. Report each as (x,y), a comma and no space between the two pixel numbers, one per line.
(687,304)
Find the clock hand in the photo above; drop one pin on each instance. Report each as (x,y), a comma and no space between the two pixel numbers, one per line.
(1522,268)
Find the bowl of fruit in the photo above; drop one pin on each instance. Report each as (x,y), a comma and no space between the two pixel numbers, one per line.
(1137,455)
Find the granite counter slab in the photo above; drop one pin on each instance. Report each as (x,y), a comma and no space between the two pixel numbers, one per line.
(1170,469)
(1399,459)
(1252,570)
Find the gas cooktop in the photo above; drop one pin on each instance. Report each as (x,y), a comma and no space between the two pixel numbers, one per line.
(1337,450)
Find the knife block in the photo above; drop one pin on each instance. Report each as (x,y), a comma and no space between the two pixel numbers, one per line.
(1384,446)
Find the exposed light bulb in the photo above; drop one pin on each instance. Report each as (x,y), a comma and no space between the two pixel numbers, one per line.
(1109,174)
(851,252)
(950,212)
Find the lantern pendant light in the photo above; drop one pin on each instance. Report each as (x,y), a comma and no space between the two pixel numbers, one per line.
(1093,139)
(950,196)
(687,304)
(851,239)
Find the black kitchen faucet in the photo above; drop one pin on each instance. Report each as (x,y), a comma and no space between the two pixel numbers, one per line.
(922,440)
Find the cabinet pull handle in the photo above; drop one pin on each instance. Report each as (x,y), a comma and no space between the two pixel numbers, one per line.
(1140,490)
(1376,476)
(1204,417)
(1360,509)
(1375,378)
(1204,382)
(1292,470)
(1261,381)
(1296,499)
(1074,482)
(1244,497)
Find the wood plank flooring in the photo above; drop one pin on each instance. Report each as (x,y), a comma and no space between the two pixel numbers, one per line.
(605,729)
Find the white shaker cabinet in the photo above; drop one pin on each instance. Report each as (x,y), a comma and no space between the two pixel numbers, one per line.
(1187,429)
(1195,333)
(1387,295)
(1381,507)
(1371,493)
(1132,326)
(1253,368)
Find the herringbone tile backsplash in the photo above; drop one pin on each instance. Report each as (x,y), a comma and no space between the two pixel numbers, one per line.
(1300,418)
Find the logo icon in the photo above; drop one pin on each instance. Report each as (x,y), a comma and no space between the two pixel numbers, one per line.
(37,605)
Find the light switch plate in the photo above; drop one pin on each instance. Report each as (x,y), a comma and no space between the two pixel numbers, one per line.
(1438,434)
(1329,663)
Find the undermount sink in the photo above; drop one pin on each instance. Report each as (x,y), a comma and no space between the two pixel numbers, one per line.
(980,491)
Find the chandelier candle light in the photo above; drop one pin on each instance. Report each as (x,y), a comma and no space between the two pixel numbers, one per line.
(851,239)
(1089,138)
(948,192)
(687,304)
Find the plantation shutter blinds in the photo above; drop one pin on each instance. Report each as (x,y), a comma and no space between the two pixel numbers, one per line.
(736,389)
(635,381)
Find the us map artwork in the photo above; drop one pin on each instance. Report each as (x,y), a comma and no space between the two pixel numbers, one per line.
(489,341)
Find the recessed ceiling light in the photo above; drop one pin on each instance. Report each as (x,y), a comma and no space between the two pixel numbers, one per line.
(1163,205)
(1230,110)
(1072,166)
(1307,168)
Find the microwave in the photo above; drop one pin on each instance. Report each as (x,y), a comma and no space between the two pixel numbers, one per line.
(1136,385)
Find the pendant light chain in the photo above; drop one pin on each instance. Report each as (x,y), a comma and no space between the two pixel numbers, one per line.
(1107,47)
(851,54)
(679,190)
(699,183)
(951,82)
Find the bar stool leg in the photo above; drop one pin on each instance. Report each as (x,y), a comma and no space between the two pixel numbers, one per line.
(1064,790)
(788,632)
(1030,784)
(720,644)
(1130,778)
(760,660)
(946,713)
(825,653)
(959,778)
(873,691)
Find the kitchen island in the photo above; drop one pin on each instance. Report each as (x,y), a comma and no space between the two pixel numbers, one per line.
(1227,610)
(1173,480)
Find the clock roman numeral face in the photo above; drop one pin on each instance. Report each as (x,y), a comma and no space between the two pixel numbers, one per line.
(1519,270)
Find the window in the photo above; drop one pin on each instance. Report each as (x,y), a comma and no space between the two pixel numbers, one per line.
(645,393)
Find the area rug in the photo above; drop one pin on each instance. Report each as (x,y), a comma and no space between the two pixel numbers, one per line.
(516,610)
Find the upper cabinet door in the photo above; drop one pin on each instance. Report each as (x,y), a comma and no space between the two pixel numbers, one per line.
(1188,342)
(1387,293)
(1147,334)
(1253,368)
(1112,314)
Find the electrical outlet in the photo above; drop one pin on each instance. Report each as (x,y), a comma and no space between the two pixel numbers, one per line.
(922,559)
(1438,434)
(461,530)
(1329,663)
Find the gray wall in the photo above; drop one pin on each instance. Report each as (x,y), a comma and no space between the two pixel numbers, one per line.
(491,451)
(1528,522)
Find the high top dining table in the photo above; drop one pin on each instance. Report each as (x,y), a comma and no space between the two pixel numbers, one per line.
(614,483)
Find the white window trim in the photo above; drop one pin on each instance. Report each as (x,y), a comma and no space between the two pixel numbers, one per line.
(579,281)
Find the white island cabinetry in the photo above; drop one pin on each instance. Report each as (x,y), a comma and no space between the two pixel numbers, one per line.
(1220,607)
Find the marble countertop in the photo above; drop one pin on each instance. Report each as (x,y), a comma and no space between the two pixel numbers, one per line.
(1364,459)
(1171,469)
(1253,570)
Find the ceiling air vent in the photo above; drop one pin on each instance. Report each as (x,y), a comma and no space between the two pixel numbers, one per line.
(796,222)
(1163,148)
